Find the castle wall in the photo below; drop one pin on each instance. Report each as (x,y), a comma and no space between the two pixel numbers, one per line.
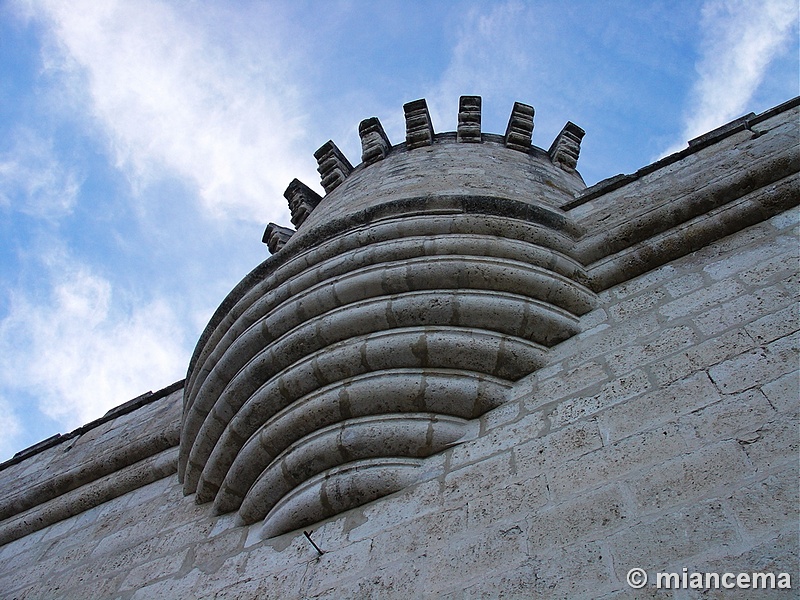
(663,436)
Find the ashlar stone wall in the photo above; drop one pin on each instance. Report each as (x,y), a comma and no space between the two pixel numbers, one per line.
(664,436)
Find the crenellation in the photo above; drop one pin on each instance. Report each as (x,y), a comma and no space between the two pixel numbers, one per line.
(275,237)
(375,144)
(566,148)
(419,128)
(333,166)
(469,119)
(519,131)
(302,200)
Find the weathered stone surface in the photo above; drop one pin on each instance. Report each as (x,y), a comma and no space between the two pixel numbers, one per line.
(419,128)
(566,148)
(302,200)
(375,144)
(520,127)
(429,352)
(469,119)
(333,166)
(275,237)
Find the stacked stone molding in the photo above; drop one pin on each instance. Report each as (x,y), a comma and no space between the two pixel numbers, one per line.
(401,318)
(464,375)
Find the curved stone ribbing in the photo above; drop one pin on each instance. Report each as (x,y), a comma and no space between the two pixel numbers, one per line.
(413,435)
(338,489)
(440,392)
(386,323)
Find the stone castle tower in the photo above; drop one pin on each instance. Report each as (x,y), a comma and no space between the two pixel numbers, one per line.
(462,375)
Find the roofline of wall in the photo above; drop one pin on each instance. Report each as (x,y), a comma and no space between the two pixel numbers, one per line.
(117,411)
(694,145)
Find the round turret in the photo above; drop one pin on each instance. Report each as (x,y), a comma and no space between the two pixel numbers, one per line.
(412,295)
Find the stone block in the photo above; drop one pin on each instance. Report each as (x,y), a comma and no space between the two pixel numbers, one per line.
(475,480)
(209,553)
(474,557)
(774,443)
(424,535)
(769,505)
(498,439)
(615,462)
(756,366)
(702,356)
(742,310)
(548,453)
(396,580)
(734,417)
(684,284)
(500,416)
(591,516)
(774,270)
(153,570)
(636,305)
(747,259)
(507,504)
(402,507)
(568,383)
(579,571)
(775,325)
(702,299)
(777,554)
(784,393)
(667,342)
(178,587)
(690,478)
(637,285)
(325,570)
(672,539)
(283,552)
(602,342)
(616,391)
(659,406)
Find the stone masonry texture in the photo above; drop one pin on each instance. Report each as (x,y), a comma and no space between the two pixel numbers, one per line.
(602,379)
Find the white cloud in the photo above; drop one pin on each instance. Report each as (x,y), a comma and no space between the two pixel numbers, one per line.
(740,39)
(33,181)
(78,355)
(173,100)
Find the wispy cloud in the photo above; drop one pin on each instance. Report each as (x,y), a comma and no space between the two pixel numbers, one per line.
(740,39)
(11,427)
(173,100)
(488,59)
(79,354)
(33,180)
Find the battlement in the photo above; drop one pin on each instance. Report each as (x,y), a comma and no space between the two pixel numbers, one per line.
(436,150)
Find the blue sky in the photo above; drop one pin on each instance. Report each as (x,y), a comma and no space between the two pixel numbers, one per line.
(145,145)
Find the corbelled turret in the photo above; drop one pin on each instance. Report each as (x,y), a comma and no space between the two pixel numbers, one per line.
(413,294)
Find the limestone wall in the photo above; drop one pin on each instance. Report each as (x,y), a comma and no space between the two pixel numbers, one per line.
(664,436)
